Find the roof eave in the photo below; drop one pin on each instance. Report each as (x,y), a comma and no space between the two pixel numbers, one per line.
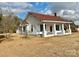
(56,21)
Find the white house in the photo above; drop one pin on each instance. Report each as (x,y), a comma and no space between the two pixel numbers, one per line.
(45,25)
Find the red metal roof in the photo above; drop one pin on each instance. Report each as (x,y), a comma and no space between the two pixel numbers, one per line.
(47,17)
(44,17)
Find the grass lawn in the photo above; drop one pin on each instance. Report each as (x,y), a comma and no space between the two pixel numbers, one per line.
(17,45)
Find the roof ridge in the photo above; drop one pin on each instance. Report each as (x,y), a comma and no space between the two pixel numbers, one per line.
(40,14)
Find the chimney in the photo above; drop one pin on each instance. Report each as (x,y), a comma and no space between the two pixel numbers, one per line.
(55,14)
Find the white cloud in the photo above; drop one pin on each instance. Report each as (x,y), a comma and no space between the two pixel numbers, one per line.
(48,12)
(69,10)
(63,5)
(76,22)
(69,14)
(15,7)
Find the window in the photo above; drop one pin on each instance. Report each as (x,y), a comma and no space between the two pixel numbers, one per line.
(31,28)
(57,27)
(50,28)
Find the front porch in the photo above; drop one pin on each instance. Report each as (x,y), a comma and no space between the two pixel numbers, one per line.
(47,29)
(53,29)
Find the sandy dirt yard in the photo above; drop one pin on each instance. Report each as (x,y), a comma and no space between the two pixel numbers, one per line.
(17,45)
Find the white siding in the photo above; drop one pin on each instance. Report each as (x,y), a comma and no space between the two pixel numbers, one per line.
(36,25)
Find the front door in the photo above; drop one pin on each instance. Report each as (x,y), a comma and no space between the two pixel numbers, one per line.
(57,27)
(41,27)
(50,28)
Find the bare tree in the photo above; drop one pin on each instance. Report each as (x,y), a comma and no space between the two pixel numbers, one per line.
(8,23)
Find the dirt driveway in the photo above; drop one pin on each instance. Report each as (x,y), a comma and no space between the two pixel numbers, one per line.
(17,45)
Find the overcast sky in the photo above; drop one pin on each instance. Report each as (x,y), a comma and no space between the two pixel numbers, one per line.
(69,10)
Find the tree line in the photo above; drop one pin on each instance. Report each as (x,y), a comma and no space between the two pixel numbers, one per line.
(9,24)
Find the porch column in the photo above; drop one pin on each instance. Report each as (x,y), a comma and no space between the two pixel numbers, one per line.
(63,29)
(44,30)
(26,30)
(22,30)
(55,29)
(69,29)
(60,27)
